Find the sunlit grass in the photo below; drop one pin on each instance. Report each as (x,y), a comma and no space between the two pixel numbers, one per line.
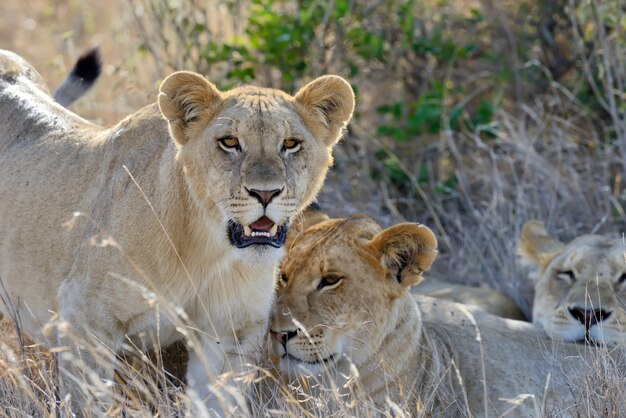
(546,162)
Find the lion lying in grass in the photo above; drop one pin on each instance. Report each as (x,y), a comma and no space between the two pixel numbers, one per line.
(487,299)
(580,286)
(172,220)
(343,300)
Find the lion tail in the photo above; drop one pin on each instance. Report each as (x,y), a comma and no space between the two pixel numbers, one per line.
(82,77)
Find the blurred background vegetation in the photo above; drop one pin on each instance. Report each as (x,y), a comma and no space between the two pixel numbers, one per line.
(472,116)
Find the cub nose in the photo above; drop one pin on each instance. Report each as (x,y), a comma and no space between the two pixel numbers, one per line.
(283,336)
(264,196)
(589,317)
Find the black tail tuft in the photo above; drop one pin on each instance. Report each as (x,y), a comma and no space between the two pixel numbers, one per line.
(89,66)
(82,77)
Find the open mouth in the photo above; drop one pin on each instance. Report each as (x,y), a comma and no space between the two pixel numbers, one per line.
(263,231)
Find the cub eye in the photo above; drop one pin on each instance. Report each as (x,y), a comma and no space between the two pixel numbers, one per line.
(291,144)
(283,278)
(329,280)
(622,278)
(229,143)
(567,275)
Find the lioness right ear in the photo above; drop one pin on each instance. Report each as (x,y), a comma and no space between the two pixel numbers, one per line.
(331,99)
(536,247)
(406,250)
(183,97)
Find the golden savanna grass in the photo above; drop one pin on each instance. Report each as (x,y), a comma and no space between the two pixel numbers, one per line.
(547,161)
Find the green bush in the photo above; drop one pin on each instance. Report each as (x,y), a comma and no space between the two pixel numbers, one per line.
(455,66)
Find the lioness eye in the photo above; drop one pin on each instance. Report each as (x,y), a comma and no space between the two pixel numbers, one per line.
(329,280)
(622,278)
(291,144)
(229,143)
(284,278)
(567,275)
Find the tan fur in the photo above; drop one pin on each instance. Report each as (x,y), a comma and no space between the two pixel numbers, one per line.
(82,239)
(489,300)
(585,275)
(427,355)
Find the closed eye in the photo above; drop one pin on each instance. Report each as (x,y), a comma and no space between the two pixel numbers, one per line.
(566,275)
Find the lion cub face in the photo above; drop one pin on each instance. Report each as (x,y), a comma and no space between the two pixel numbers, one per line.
(338,284)
(255,155)
(580,287)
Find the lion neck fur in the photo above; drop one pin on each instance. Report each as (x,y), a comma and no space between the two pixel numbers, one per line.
(418,373)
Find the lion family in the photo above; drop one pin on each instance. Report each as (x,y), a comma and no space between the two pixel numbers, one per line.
(187,203)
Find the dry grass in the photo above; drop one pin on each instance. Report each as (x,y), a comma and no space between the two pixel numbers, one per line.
(143,387)
(546,162)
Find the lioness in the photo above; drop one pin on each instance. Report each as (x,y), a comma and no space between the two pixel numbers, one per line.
(186,201)
(487,299)
(579,286)
(343,298)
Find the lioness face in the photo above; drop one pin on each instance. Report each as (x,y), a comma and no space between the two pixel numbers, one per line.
(579,287)
(255,155)
(338,284)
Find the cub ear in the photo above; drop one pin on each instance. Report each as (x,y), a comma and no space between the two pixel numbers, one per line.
(331,99)
(406,250)
(536,247)
(183,97)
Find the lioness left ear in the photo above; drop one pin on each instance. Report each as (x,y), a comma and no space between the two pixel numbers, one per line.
(406,250)
(183,96)
(332,100)
(536,247)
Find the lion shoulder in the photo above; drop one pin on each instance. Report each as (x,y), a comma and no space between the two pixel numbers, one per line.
(488,299)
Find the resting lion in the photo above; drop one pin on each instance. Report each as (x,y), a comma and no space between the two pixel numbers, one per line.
(487,299)
(343,298)
(580,290)
(184,204)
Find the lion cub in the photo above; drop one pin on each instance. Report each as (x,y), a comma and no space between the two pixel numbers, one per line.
(344,318)
(487,299)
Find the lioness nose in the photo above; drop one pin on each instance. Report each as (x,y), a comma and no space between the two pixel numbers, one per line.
(589,317)
(264,196)
(283,336)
